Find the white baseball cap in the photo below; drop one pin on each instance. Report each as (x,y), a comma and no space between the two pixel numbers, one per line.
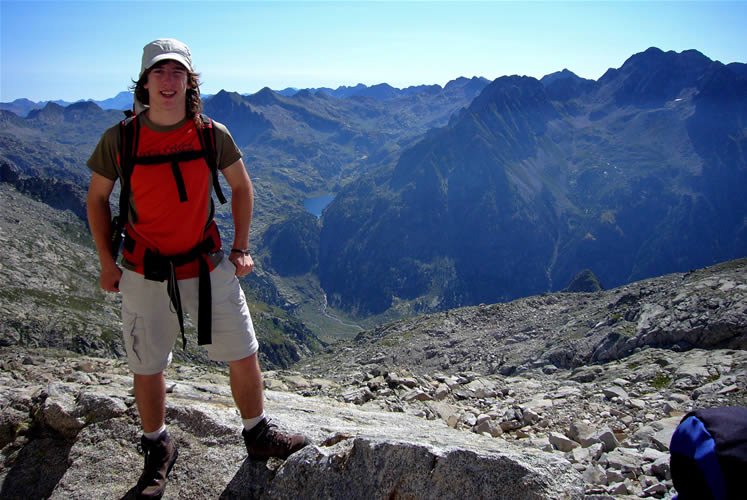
(166,48)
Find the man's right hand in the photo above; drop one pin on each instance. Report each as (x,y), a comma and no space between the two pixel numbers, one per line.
(109,278)
(99,219)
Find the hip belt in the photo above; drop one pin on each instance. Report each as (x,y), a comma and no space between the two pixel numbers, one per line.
(157,267)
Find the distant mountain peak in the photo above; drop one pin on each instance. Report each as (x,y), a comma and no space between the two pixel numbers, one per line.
(559,75)
(51,111)
(84,106)
(226,96)
(265,97)
(289,91)
(359,86)
(653,50)
(564,85)
(654,76)
(654,56)
(53,106)
(463,80)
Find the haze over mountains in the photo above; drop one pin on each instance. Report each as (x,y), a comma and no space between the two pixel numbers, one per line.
(474,192)
(22,107)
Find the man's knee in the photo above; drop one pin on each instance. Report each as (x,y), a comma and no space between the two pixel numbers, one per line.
(148,377)
(247,362)
(149,385)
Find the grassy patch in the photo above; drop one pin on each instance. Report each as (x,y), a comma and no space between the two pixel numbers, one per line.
(661,381)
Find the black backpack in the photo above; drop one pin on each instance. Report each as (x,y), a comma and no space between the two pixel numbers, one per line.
(708,454)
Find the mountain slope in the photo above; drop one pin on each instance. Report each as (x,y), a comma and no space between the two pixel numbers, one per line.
(636,175)
(447,185)
(50,295)
(700,309)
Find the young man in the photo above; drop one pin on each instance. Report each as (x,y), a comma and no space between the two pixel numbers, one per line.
(172,257)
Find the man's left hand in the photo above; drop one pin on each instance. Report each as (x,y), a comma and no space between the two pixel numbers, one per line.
(243,262)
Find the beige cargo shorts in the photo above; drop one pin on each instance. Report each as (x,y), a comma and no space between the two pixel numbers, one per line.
(150,325)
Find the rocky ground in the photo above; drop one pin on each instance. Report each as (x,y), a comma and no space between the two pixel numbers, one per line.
(605,428)
(49,294)
(68,429)
(612,421)
(601,379)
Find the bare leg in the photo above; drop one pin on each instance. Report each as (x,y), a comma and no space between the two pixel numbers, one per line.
(246,386)
(150,396)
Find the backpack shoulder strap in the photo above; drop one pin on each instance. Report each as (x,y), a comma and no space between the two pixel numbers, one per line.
(129,135)
(206,132)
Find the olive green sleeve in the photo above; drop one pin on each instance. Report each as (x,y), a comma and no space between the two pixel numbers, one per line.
(226,149)
(105,157)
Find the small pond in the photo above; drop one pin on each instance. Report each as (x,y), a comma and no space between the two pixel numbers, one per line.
(317,204)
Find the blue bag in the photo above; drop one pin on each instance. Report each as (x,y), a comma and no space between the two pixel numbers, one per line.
(708,454)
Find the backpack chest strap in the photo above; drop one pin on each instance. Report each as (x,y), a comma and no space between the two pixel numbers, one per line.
(174,160)
(129,139)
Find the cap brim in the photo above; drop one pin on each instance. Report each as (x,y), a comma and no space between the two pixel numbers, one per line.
(170,56)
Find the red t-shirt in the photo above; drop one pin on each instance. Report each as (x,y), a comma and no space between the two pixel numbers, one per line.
(164,221)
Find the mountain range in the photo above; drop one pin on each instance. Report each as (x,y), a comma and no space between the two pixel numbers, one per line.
(473,192)
(22,107)
(635,175)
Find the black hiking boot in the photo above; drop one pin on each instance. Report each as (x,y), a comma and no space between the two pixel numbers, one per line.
(160,456)
(264,441)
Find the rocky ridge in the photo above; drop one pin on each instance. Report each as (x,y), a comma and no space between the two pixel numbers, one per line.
(704,308)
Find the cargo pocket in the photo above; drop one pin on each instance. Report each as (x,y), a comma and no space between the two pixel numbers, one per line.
(228,298)
(130,330)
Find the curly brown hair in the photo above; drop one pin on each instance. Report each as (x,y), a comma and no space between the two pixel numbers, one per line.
(194,102)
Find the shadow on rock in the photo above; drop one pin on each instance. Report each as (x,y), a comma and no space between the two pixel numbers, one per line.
(37,469)
(251,480)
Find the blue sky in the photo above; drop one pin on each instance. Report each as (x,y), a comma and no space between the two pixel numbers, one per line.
(79,50)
